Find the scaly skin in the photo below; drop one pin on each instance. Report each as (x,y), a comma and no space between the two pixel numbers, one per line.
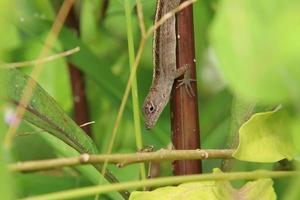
(164,61)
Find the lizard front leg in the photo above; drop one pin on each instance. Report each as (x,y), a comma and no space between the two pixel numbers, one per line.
(186,81)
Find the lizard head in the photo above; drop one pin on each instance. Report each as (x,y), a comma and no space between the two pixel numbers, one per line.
(152,108)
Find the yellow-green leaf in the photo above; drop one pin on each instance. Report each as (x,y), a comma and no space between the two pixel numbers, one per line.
(266,137)
(213,190)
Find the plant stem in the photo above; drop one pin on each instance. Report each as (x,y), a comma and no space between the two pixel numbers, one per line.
(122,159)
(88,191)
(80,103)
(184,106)
(104,8)
(134,88)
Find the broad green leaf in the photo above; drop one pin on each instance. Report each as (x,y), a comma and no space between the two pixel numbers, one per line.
(45,113)
(258,190)
(213,190)
(257,43)
(266,137)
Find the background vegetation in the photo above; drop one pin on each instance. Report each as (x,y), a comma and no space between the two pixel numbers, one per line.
(247,55)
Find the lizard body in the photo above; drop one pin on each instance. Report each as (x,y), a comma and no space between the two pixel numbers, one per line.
(164,61)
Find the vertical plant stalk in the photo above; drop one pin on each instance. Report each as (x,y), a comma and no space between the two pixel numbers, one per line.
(184,108)
(81,110)
(134,88)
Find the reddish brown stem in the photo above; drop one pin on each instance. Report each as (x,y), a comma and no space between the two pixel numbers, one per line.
(79,98)
(184,108)
(81,111)
(104,8)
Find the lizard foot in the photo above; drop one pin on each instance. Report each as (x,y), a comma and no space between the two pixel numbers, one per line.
(186,81)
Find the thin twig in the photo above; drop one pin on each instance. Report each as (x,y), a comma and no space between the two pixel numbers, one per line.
(41,60)
(87,123)
(141,17)
(122,159)
(167,16)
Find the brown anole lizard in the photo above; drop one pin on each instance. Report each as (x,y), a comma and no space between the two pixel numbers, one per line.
(164,61)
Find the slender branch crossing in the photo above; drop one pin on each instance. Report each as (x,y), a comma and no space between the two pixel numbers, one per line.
(122,159)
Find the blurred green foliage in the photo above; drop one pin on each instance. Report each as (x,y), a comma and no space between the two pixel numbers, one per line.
(246,52)
(258,44)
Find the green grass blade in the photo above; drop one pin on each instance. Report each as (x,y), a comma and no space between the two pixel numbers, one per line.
(45,113)
(134,88)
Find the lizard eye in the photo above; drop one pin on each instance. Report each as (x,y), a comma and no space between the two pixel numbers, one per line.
(151,107)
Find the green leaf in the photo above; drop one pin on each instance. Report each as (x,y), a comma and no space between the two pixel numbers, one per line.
(258,190)
(257,43)
(45,113)
(266,137)
(213,190)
